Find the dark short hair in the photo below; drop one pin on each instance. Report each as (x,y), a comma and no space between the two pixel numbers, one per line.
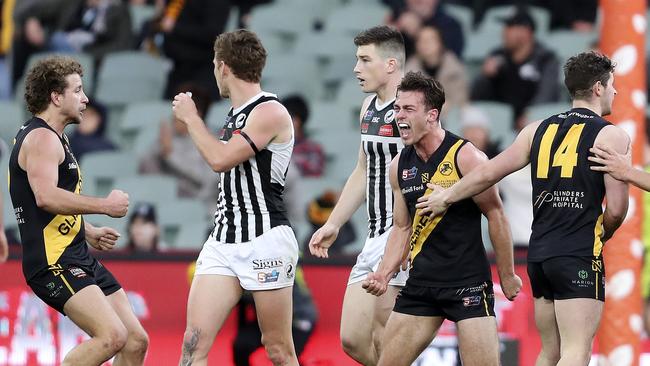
(46,76)
(432,91)
(243,52)
(583,70)
(297,106)
(388,41)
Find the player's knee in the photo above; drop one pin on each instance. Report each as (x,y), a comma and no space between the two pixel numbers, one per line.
(192,342)
(350,344)
(114,339)
(137,343)
(278,351)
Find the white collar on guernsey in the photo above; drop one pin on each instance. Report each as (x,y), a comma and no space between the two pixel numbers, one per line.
(380,107)
(256,97)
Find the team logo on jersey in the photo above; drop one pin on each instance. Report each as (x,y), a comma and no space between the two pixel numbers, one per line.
(445,168)
(375,120)
(364,127)
(368,114)
(240,120)
(425,177)
(408,174)
(386,130)
(390,116)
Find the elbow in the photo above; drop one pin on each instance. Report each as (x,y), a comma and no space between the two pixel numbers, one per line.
(42,200)
(219,166)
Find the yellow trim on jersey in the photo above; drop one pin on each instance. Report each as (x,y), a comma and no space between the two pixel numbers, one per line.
(66,283)
(60,232)
(446,175)
(596,286)
(487,312)
(598,233)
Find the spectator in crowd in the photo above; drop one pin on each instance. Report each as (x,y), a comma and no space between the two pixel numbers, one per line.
(90,136)
(249,338)
(410,15)
(434,59)
(95,27)
(308,155)
(475,127)
(34,21)
(6,33)
(190,28)
(175,155)
(575,15)
(143,229)
(520,73)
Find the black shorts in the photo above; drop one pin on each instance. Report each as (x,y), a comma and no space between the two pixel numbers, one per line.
(562,278)
(453,303)
(56,285)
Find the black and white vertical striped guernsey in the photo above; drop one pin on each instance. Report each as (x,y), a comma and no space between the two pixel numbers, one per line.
(381,143)
(250,202)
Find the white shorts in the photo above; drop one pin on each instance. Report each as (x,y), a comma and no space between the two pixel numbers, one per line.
(264,263)
(369,258)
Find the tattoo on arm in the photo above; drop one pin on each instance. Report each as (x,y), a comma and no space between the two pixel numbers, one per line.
(189,346)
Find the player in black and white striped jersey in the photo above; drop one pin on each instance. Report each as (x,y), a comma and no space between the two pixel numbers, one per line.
(379,69)
(252,246)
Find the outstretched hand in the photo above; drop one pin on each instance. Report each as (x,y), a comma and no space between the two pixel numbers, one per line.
(322,239)
(433,203)
(615,164)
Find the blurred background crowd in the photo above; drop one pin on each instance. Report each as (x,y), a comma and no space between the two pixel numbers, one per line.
(500,62)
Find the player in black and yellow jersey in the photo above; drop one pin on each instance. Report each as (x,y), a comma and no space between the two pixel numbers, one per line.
(450,275)
(45,188)
(569,229)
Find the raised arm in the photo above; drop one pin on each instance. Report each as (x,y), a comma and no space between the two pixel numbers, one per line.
(352,196)
(469,157)
(268,122)
(397,247)
(515,157)
(616,192)
(40,156)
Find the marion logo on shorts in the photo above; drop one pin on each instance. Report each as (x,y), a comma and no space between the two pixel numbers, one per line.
(265,277)
(267,263)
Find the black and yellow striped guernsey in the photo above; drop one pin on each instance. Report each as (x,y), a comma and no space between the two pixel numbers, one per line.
(567,194)
(47,239)
(446,251)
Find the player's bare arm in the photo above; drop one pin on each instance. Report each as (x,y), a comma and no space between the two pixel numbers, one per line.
(515,157)
(619,166)
(469,157)
(397,246)
(352,196)
(267,123)
(616,191)
(40,156)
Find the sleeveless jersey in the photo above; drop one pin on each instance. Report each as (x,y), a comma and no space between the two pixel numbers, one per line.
(446,251)
(250,202)
(567,195)
(381,143)
(47,239)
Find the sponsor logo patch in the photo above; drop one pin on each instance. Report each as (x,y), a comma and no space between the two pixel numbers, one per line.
(408,174)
